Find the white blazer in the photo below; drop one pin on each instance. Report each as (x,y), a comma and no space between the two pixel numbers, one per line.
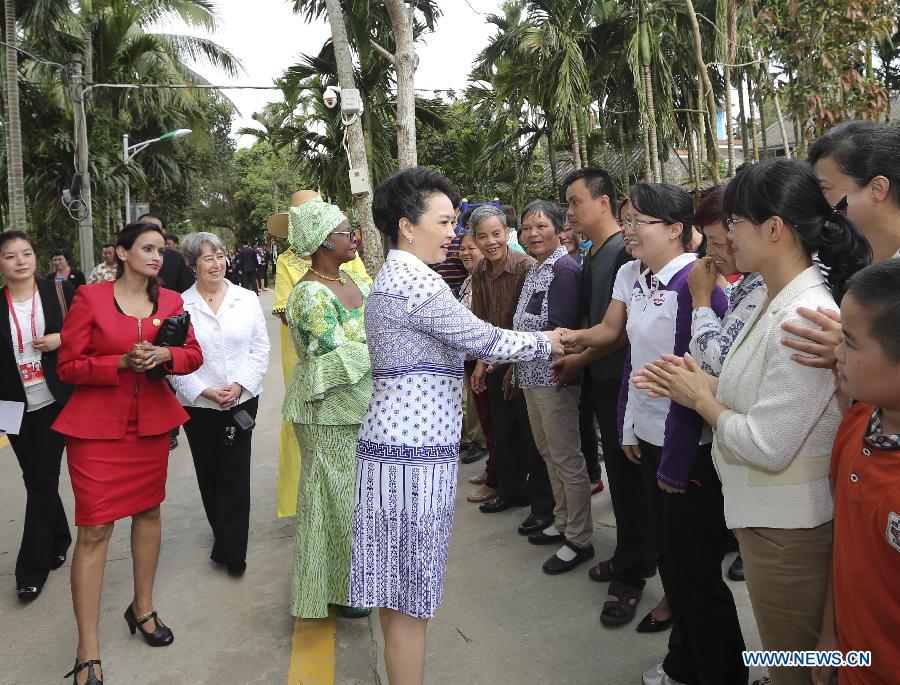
(772,449)
(235,346)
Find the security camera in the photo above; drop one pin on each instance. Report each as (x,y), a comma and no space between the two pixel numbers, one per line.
(330,97)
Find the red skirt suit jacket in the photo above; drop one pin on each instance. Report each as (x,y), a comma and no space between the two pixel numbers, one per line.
(95,335)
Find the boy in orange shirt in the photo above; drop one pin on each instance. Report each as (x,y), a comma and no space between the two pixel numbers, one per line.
(863,609)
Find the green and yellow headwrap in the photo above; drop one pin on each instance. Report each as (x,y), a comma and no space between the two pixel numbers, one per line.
(311,223)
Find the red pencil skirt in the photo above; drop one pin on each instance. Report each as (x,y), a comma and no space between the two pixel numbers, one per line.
(113,479)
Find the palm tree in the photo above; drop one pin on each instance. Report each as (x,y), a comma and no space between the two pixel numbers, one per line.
(15,176)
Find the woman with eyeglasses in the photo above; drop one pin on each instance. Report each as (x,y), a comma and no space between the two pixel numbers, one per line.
(672,444)
(776,420)
(326,400)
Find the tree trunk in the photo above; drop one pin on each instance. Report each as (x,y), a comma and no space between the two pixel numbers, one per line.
(781,126)
(356,144)
(742,118)
(15,176)
(715,157)
(701,127)
(764,134)
(731,58)
(551,156)
(401,16)
(648,161)
(753,128)
(576,140)
(87,23)
(585,124)
(647,83)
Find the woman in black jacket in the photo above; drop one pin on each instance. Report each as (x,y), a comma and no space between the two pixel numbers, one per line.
(31,316)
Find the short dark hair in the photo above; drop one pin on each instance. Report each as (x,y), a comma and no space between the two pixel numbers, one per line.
(598,182)
(788,188)
(862,150)
(14,234)
(105,245)
(406,195)
(512,218)
(668,202)
(152,215)
(875,288)
(550,210)
(127,237)
(466,215)
(61,253)
(710,210)
(172,237)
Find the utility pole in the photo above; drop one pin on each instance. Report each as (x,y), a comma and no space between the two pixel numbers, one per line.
(356,143)
(85,223)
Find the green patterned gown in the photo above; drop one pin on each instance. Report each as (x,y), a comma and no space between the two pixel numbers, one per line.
(326,400)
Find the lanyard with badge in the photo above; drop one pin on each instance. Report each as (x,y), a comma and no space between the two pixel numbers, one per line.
(31,370)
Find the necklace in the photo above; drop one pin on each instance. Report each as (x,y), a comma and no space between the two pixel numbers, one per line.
(215,295)
(339,279)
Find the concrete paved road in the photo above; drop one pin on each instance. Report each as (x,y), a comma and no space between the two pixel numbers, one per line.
(503,621)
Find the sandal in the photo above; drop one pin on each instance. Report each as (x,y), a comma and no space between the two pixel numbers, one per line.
(482,494)
(602,572)
(479,478)
(618,612)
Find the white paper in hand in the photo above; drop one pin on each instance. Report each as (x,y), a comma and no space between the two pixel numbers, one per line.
(11,416)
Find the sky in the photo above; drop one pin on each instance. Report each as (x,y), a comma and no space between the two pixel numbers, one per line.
(266,36)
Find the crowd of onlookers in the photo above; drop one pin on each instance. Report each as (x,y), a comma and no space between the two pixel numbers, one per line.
(734,359)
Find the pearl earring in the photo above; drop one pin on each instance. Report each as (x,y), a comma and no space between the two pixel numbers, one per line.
(410,240)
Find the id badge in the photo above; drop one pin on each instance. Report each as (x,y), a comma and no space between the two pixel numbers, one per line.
(31,371)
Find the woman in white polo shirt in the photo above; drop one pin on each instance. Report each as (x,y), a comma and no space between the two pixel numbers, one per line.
(672,443)
(231,329)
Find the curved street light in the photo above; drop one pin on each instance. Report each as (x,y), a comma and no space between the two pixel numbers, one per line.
(130,151)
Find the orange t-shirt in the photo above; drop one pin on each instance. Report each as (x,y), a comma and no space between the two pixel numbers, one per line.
(866,485)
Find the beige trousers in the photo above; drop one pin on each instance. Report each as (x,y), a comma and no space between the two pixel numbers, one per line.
(554,424)
(787,576)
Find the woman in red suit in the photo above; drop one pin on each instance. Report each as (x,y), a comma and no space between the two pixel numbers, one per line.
(117,427)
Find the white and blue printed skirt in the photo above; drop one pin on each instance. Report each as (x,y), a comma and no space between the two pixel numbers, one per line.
(402,520)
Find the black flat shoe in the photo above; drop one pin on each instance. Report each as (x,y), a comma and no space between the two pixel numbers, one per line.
(92,679)
(650,624)
(541,538)
(736,570)
(236,568)
(499,503)
(173,443)
(161,637)
(471,455)
(58,561)
(554,565)
(28,593)
(534,524)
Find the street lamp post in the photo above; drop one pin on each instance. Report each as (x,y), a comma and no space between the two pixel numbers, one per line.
(130,151)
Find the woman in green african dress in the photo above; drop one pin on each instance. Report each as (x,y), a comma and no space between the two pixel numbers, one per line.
(326,400)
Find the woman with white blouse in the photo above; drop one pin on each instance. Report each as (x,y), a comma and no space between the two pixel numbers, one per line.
(229,325)
(776,420)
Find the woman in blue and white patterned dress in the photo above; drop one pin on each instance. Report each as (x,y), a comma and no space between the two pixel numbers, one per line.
(406,460)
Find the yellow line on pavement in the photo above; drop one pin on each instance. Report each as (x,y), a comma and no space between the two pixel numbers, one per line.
(4,441)
(312,652)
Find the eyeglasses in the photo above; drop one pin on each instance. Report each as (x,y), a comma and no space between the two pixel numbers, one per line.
(731,223)
(637,223)
(350,235)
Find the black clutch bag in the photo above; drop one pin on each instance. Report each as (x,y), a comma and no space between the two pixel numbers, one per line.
(172,333)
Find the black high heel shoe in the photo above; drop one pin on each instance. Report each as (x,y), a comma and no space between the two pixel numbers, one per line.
(161,637)
(89,665)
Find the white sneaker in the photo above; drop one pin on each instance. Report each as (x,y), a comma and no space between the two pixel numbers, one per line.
(657,676)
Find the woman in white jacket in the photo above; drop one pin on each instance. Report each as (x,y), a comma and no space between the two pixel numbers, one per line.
(775,419)
(231,329)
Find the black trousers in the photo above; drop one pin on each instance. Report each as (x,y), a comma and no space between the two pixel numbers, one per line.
(223,474)
(635,554)
(706,643)
(520,468)
(46,532)
(248,280)
(588,432)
